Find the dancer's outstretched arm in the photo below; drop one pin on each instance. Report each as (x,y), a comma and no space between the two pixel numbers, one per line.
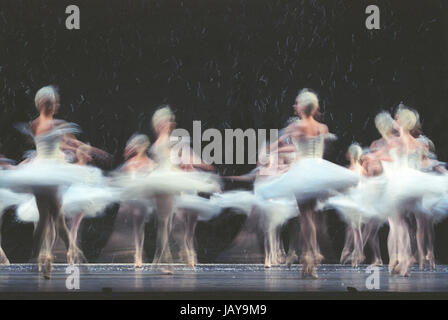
(71,143)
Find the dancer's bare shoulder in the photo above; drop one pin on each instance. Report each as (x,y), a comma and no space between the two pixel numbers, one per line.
(39,126)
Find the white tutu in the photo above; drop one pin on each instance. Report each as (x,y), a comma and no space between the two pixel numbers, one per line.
(360,203)
(27,211)
(205,208)
(89,200)
(41,173)
(238,199)
(405,187)
(162,181)
(278,211)
(175,181)
(309,178)
(9,198)
(434,206)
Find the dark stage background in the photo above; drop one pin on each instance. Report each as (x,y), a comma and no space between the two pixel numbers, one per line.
(232,64)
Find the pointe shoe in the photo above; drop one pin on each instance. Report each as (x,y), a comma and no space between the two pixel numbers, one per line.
(281,258)
(138,265)
(309,270)
(393,262)
(40,263)
(421,263)
(290,259)
(345,257)
(403,267)
(431,261)
(313,273)
(318,258)
(377,262)
(47,267)
(191,263)
(357,260)
(192,259)
(404,270)
(72,257)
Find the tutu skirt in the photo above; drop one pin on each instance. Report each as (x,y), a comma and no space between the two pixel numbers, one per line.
(407,187)
(40,174)
(205,208)
(163,181)
(9,198)
(360,203)
(238,199)
(310,178)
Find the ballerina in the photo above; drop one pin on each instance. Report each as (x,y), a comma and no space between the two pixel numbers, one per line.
(373,168)
(353,235)
(275,212)
(430,209)
(310,177)
(190,207)
(47,173)
(84,200)
(272,213)
(138,163)
(167,180)
(406,186)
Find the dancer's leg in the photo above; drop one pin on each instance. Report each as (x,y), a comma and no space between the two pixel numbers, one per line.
(138,220)
(374,241)
(268,245)
(3,258)
(358,255)
(294,234)
(310,249)
(429,226)
(164,205)
(45,234)
(392,245)
(41,227)
(405,259)
(348,244)
(191,222)
(420,236)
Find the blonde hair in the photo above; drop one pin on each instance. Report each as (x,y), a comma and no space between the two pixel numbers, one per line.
(354,152)
(384,123)
(46,99)
(406,117)
(138,141)
(163,114)
(309,101)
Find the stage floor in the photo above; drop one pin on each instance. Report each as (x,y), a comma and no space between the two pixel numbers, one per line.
(216,279)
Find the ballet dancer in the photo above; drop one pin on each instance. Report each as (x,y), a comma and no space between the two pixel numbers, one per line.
(169,179)
(191,208)
(44,175)
(353,233)
(310,177)
(138,163)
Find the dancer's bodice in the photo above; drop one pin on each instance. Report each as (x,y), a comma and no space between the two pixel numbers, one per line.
(406,159)
(48,145)
(309,146)
(162,154)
